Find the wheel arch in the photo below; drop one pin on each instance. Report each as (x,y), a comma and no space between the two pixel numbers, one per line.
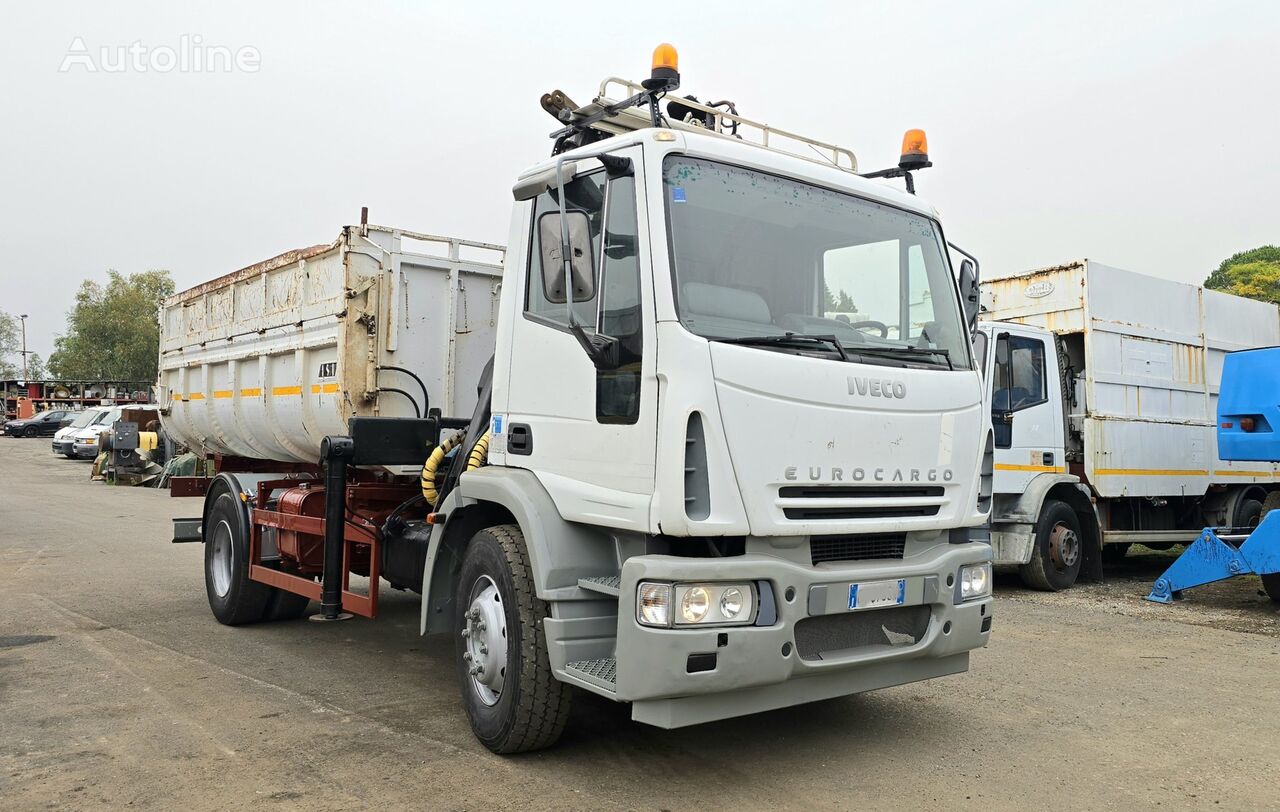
(1219,509)
(560,552)
(1076,497)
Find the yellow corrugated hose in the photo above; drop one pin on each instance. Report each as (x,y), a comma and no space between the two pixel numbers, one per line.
(478,456)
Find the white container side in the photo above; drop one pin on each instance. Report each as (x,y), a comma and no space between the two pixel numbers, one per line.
(266,361)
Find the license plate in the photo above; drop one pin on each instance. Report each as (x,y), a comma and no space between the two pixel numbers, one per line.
(874,594)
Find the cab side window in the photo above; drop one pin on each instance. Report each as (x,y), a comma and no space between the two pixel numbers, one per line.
(1019,374)
(618,390)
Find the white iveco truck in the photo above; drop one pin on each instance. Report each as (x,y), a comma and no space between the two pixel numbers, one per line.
(1103,386)
(691,477)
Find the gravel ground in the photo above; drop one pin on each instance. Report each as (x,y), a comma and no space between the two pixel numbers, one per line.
(117,688)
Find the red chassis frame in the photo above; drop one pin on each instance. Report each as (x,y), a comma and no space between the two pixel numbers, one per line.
(368,505)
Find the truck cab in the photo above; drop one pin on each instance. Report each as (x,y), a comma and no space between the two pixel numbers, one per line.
(734,495)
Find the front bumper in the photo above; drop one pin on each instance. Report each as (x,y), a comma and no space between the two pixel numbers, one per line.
(63,446)
(85,451)
(815,648)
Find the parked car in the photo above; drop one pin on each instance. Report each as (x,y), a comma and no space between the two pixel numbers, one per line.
(63,440)
(85,442)
(45,424)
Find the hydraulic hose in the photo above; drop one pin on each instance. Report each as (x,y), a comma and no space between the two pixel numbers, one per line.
(432,464)
(479,456)
(479,452)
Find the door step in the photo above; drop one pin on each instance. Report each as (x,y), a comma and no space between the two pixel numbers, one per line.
(604,584)
(602,673)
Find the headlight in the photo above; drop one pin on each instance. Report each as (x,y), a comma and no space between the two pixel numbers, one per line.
(694,604)
(698,604)
(975,581)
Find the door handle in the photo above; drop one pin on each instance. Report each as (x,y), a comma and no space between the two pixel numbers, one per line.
(520,439)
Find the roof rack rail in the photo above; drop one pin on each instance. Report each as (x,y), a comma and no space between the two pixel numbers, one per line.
(720,118)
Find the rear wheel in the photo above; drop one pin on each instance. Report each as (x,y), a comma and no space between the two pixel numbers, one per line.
(1271,581)
(234,599)
(1058,550)
(512,699)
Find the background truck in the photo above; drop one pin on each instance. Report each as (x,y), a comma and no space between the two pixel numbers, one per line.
(1103,388)
(643,457)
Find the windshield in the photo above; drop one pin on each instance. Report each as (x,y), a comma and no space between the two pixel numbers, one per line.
(85,418)
(756,255)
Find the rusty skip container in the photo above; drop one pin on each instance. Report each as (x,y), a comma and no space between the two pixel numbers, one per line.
(1147,355)
(265,361)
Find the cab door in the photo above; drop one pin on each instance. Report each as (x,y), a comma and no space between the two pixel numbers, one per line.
(589,434)
(1026,413)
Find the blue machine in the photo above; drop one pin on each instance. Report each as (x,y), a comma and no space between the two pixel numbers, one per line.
(1248,430)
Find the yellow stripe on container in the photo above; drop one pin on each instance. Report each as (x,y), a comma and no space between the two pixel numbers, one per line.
(1041,469)
(195,396)
(287,390)
(328,388)
(252,392)
(1145,472)
(222,394)
(1266,474)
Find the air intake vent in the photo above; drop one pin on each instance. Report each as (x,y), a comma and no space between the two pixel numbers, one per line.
(857,548)
(697,487)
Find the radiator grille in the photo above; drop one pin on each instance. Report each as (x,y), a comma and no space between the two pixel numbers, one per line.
(830,636)
(857,491)
(857,548)
(796,510)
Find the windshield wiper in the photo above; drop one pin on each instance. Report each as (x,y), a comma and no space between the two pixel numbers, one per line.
(934,351)
(789,338)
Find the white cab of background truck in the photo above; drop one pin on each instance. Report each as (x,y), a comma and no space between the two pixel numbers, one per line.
(1103,388)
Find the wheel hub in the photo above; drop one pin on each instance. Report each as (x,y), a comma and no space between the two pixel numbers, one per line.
(484,634)
(1064,547)
(221,565)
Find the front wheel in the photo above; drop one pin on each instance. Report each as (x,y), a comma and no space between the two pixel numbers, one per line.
(30,431)
(513,700)
(1058,550)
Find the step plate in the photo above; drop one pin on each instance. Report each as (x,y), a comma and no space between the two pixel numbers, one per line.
(602,672)
(606,584)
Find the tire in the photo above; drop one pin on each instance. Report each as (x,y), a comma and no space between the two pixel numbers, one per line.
(1247,514)
(1114,553)
(514,702)
(31,431)
(234,599)
(1058,550)
(1271,581)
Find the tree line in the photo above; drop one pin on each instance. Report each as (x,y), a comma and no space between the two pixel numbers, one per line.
(113,332)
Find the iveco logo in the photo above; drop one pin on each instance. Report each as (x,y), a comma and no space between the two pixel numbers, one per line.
(877,388)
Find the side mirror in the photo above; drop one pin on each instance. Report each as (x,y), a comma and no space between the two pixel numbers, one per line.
(581,261)
(969,294)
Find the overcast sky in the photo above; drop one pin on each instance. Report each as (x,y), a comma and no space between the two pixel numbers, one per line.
(1143,135)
